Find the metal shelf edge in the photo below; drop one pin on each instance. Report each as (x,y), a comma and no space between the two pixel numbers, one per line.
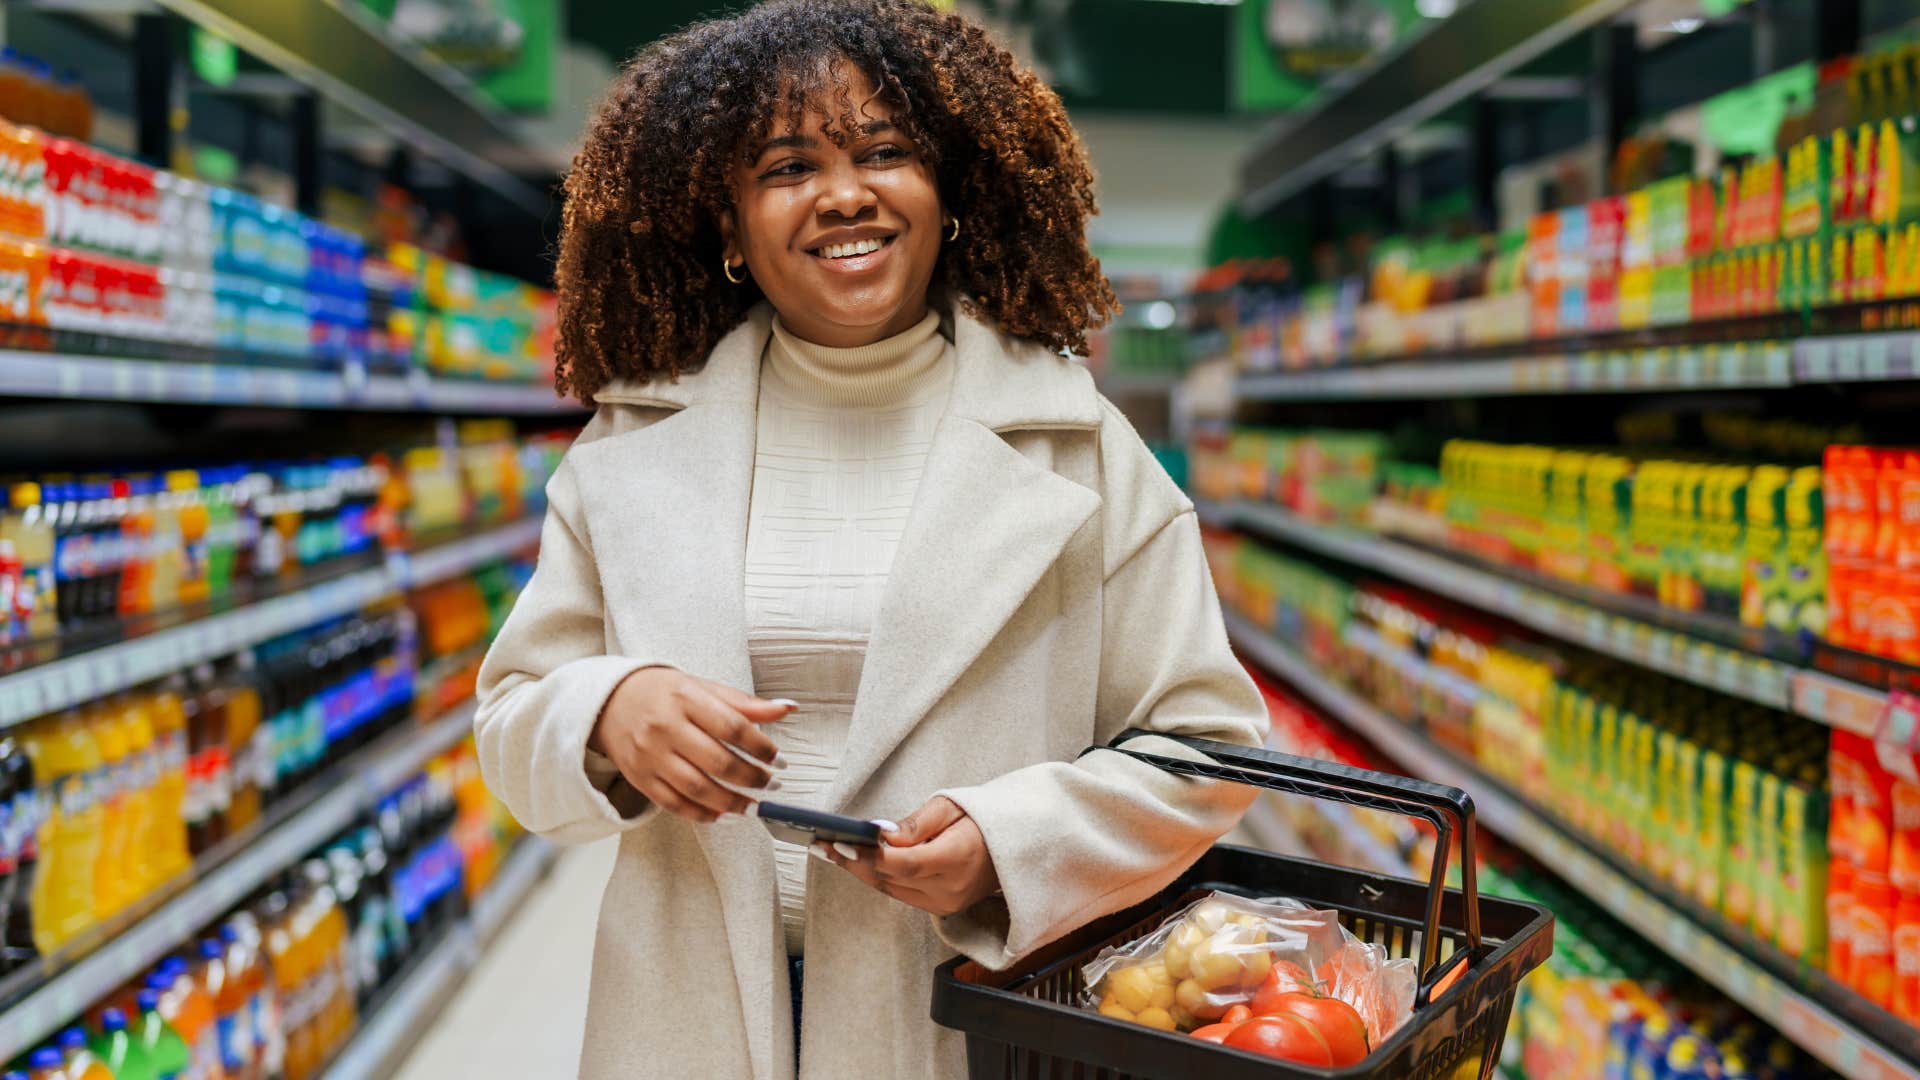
(1802,1019)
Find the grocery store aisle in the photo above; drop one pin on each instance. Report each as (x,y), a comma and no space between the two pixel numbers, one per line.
(521,1012)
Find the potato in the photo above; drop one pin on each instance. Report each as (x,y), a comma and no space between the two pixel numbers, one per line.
(1177,954)
(1183,1019)
(1156,1018)
(1116,1012)
(1215,965)
(1254,965)
(1192,997)
(1210,915)
(1131,987)
(1162,996)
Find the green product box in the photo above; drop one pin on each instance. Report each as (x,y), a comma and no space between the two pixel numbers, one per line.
(1660,833)
(1742,832)
(1583,749)
(1767,899)
(1802,931)
(1709,877)
(1606,768)
(1686,818)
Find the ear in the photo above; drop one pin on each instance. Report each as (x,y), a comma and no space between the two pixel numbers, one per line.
(729,238)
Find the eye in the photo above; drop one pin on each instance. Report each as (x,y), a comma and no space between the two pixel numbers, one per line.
(790,167)
(888,153)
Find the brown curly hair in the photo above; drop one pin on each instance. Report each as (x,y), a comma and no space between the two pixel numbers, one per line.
(641,293)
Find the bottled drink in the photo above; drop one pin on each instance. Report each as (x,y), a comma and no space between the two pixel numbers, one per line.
(136,579)
(165,1052)
(67,759)
(47,1063)
(22,839)
(233,1013)
(190,1011)
(171,853)
(111,889)
(207,740)
(291,1050)
(30,528)
(117,1047)
(81,1062)
(247,966)
(151,824)
(191,509)
(244,706)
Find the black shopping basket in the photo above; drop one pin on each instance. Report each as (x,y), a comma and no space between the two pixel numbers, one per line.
(1026,1023)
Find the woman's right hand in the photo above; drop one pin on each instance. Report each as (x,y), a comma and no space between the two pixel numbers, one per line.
(669,734)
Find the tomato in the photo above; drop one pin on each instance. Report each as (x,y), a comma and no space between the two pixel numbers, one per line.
(1285,978)
(1284,1036)
(1237,1014)
(1214,1033)
(1335,1020)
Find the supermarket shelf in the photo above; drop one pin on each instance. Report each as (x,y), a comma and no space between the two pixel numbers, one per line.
(58,684)
(351,789)
(1445,63)
(352,59)
(104,378)
(1139,384)
(1804,1019)
(1815,695)
(384,1039)
(1702,367)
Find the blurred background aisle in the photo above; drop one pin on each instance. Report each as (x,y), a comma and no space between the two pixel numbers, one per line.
(1543,373)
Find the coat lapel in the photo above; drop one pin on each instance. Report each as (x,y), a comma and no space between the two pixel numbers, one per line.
(986,524)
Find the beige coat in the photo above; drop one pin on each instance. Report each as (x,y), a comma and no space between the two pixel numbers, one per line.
(1049,592)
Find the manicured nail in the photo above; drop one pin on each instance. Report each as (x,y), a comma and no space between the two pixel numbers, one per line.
(787,702)
(819,851)
(885,825)
(846,850)
(772,784)
(780,762)
(752,810)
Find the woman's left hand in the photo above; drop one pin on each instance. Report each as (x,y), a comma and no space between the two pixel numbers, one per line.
(935,860)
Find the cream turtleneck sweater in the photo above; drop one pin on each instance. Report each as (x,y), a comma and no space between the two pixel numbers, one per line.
(842,439)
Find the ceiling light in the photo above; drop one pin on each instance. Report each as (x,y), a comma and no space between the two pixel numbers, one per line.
(1436,9)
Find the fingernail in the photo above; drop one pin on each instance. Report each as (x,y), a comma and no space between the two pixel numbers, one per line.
(752,810)
(772,784)
(780,762)
(846,850)
(787,702)
(885,825)
(819,851)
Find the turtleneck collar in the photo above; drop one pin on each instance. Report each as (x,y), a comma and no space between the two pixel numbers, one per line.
(886,372)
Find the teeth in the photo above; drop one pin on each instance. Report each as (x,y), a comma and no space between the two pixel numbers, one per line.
(846,251)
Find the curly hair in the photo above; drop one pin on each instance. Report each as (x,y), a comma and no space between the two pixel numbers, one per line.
(641,292)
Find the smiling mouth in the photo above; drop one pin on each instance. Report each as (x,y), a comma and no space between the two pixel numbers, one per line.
(852,250)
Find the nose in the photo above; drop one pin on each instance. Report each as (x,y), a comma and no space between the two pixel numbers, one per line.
(844,192)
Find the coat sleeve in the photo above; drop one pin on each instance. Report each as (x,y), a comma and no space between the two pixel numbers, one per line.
(542,686)
(1072,841)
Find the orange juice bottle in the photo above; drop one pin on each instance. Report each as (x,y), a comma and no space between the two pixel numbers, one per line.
(142,864)
(111,890)
(67,759)
(279,918)
(243,723)
(169,718)
(184,484)
(186,1006)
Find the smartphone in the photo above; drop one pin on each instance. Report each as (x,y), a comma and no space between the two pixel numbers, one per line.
(797,825)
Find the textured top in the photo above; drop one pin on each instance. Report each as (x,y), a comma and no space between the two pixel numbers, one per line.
(842,440)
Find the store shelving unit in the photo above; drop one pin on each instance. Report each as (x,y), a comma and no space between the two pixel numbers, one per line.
(1732,366)
(1753,676)
(58,684)
(324,807)
(396,1025)
(350,58)
(63,376)
(1831,1023)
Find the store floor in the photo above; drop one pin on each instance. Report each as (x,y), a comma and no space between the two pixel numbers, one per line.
(521,1013)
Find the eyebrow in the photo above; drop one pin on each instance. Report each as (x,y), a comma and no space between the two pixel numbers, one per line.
(808,142)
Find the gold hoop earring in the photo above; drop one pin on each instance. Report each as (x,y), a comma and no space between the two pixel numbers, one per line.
(727,269)
(955,234)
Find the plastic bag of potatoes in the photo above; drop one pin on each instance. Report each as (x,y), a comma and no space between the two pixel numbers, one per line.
(1210,956)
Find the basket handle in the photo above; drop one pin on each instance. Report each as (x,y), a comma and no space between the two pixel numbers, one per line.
(1445,808)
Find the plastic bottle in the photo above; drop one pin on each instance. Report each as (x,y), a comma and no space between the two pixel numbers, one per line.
(27,807)
(233,1013)
(243,712)
(111,889)
(171,856)
(67,760)
(31,531)
(279,918)
(190,1011)
(82,1063)
(247,965)
(152,821)
(117,1047)
(165,1052)
(211,759)
(47,1063)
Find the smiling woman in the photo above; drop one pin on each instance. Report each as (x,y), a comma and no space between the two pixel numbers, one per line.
(724,140)
(848,533)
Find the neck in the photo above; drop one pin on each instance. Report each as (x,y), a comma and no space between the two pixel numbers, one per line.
(884,372)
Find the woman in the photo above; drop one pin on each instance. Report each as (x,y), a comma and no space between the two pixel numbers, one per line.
(848,527)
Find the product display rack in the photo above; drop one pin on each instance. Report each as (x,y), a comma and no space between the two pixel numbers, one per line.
(57,684)
(398,1022)
(71,377)
(1832,1023)
(1588,622)
(46,996)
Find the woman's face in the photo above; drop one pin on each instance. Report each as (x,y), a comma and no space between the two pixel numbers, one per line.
(842,239)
